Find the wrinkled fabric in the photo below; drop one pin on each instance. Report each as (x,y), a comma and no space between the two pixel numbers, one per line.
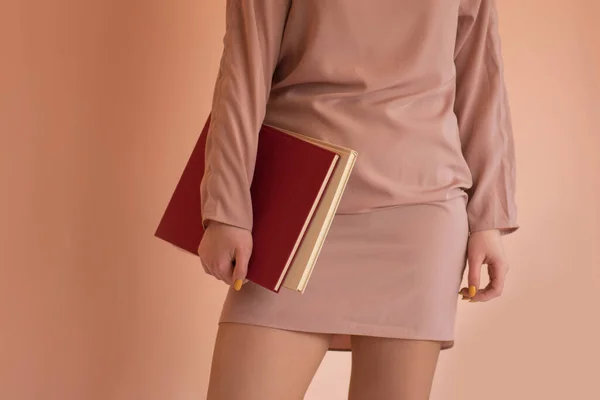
(415,87)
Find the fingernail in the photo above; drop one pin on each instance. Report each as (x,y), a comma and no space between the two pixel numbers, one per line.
(472,301)
(472,291)
(237,285)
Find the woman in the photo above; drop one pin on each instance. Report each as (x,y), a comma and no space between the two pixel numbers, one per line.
(416,87)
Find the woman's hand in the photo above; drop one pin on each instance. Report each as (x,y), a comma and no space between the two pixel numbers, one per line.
(485,247)
(225,251)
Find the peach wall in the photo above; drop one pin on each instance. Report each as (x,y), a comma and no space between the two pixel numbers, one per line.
(100,103)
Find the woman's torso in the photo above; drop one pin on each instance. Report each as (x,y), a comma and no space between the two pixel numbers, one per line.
(378,77)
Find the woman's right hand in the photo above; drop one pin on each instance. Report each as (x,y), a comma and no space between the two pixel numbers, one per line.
(225,252)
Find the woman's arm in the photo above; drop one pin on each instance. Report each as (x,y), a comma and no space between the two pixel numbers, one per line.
(484,118)
(254,29)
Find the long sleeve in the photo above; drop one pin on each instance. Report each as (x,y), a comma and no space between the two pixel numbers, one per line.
(253,34)
(484,119)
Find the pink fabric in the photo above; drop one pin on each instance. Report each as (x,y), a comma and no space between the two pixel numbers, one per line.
(417,88)
(390,273)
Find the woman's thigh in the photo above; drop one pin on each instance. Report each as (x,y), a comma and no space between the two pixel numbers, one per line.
(392,368)
(259,363)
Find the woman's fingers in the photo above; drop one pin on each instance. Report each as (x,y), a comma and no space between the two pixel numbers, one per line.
(495,288)
(206,269)
(485,247)
(475,264)
(223,269)
(211,267)
(240,270)
(497,273)
(464,292)
(220,246)
(226,270)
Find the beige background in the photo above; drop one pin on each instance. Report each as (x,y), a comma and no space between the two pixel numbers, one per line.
(100,104)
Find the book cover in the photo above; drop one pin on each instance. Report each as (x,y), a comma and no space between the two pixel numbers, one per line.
(288,179)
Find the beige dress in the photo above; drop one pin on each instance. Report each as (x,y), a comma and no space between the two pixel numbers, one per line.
(417,88)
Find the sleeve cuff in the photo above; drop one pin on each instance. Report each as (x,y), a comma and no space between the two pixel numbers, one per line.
(207,218)
(505,229)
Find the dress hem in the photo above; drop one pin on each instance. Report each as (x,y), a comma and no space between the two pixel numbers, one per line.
(357,330)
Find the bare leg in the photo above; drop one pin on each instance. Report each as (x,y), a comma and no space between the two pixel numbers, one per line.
(258,363)
(395,369)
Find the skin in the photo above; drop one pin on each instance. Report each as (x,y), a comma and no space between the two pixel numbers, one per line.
(252,362)
(220,246)
(485,248)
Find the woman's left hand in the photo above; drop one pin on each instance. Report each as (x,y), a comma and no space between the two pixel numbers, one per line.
(485,247)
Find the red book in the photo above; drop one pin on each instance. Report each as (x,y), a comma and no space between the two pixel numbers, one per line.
(290,177)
